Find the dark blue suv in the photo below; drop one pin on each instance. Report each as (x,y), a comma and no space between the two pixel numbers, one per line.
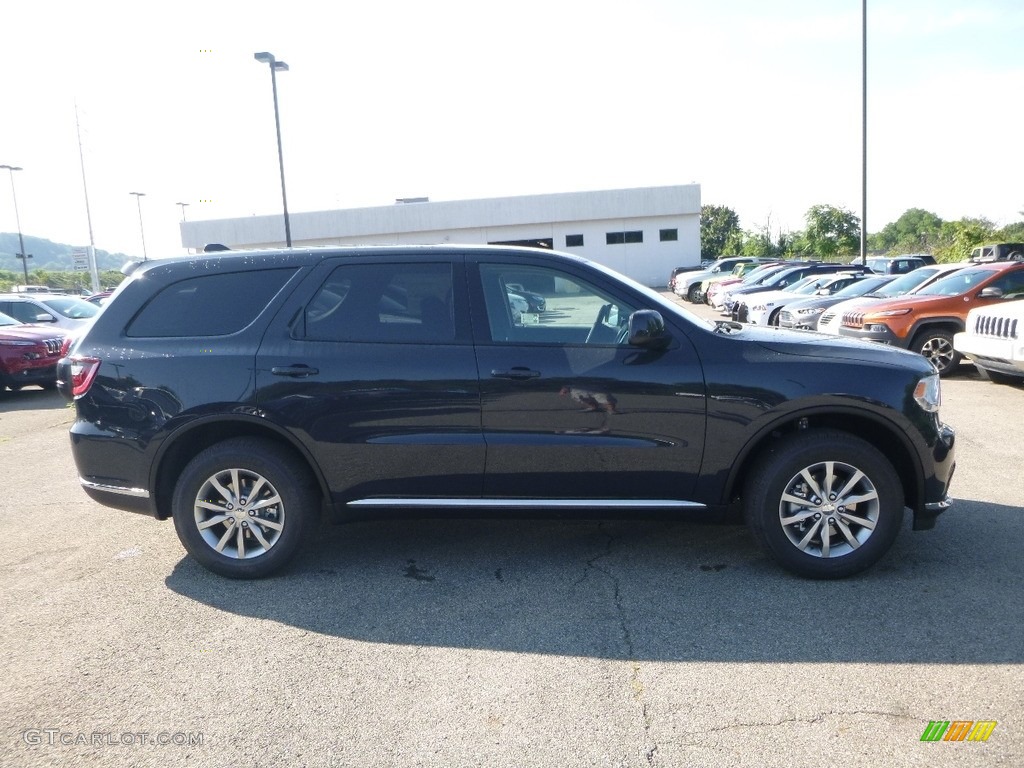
(242,394)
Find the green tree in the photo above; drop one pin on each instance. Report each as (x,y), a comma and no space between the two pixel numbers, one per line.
(831,233)
(1011,233)
(917,230)
(718,227)
(957,238)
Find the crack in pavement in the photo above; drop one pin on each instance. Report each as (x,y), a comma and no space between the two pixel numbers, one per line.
(815,720)
(648,749)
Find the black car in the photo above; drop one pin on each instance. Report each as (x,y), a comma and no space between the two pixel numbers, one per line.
(239,394)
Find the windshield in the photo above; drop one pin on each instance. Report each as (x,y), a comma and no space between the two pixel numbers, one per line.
(861,287)
(807,285)
(72,308)
(909,281)
(955,284)
(758,277)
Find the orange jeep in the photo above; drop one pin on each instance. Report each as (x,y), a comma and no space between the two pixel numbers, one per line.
(925,321)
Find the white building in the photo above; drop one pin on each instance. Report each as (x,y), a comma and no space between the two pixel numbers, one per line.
(643,233)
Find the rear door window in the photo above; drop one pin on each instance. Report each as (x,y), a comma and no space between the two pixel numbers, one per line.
(209,305)
(396,302)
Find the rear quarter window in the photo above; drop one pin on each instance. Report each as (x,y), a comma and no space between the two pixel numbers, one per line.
(209,305)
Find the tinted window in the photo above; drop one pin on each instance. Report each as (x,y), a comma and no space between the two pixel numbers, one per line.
(24,311)
(209,305)
(383,303)
(1012,285)
(576,312)
(668,234)
(573,241)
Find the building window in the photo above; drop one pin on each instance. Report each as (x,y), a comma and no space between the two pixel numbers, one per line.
(573,241)
(618,238)
(669,234)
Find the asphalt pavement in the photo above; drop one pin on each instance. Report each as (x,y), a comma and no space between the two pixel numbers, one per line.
(507,642)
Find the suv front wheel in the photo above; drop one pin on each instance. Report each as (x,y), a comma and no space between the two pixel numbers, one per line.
(824,504)
(937,345)
(243,506)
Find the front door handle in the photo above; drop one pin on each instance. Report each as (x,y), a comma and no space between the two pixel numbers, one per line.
(295,371)
(518,373)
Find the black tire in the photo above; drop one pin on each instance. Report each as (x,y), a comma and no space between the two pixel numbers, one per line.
(936,344)
(266,537)
(774,318)
(778,474)
(694,294)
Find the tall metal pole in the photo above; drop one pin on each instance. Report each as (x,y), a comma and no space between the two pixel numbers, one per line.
(864,135)
(94,274)
(275,65)
(21,241)
(280,157)
(142,230)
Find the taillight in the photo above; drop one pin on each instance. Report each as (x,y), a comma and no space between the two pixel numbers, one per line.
(83,372)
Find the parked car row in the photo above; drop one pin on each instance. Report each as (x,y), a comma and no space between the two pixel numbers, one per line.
(926,310)
(927,320)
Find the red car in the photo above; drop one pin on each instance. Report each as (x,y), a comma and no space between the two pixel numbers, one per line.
(29,354)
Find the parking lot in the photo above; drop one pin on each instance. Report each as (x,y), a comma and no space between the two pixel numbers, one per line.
(508,643)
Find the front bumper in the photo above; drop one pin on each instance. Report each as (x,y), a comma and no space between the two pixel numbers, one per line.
(878,333)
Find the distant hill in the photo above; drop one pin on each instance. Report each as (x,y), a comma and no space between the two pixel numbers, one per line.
(55,257)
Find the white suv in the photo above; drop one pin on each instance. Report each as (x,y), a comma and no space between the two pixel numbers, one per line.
(994,341)
(67,312)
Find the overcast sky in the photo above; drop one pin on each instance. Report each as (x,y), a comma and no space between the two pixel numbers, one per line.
(758,102)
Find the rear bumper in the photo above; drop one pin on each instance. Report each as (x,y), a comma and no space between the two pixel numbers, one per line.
(118,497)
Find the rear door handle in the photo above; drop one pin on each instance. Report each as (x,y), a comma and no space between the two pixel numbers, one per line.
(519,373)
(295,371)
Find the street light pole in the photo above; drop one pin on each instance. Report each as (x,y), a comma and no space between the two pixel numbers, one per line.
(183,205)
(864,133)
(275,66)
(142,230)
(21,241)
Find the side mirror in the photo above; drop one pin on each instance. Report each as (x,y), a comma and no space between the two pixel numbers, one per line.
(647,329)
(991,293)
(43,317)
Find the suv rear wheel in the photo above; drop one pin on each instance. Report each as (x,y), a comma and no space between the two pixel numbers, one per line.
(937,345)
(694,295)
(242,507)
(824,504)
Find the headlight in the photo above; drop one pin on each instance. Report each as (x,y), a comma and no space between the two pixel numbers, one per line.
(13,343)
(810,311)
(928,394)
(891,313)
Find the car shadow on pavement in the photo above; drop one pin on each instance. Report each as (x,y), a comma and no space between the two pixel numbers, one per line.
(31,398)
(643,590)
